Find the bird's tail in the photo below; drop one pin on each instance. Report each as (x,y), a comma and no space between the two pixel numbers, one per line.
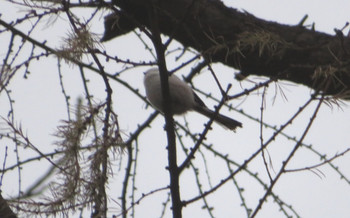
(221,119)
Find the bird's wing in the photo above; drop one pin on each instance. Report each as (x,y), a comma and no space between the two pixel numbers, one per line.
(198,100)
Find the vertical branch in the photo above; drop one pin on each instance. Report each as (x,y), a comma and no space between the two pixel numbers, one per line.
(126,180)
(133,180)
(169,121)
(261,133)
(66,96)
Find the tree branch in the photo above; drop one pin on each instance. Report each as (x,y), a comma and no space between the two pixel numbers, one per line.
(169,121)
(242,41)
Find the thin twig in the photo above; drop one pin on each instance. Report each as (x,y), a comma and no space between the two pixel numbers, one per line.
(284,164)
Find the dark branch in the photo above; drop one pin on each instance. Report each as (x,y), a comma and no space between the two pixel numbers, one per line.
(242,41)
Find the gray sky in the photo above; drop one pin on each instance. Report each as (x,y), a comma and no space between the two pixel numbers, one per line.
(39,106)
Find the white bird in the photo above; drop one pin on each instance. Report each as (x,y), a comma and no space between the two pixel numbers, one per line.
(183,98)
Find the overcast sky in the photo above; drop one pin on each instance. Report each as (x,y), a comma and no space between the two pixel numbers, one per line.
(39,107)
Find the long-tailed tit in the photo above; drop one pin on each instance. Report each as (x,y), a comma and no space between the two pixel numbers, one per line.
(183,98)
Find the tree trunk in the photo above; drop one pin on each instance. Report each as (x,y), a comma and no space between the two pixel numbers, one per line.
(242,41)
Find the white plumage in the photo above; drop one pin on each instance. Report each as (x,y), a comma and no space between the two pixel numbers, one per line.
(183,98)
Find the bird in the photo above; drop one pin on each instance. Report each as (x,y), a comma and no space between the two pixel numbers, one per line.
(183,98)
